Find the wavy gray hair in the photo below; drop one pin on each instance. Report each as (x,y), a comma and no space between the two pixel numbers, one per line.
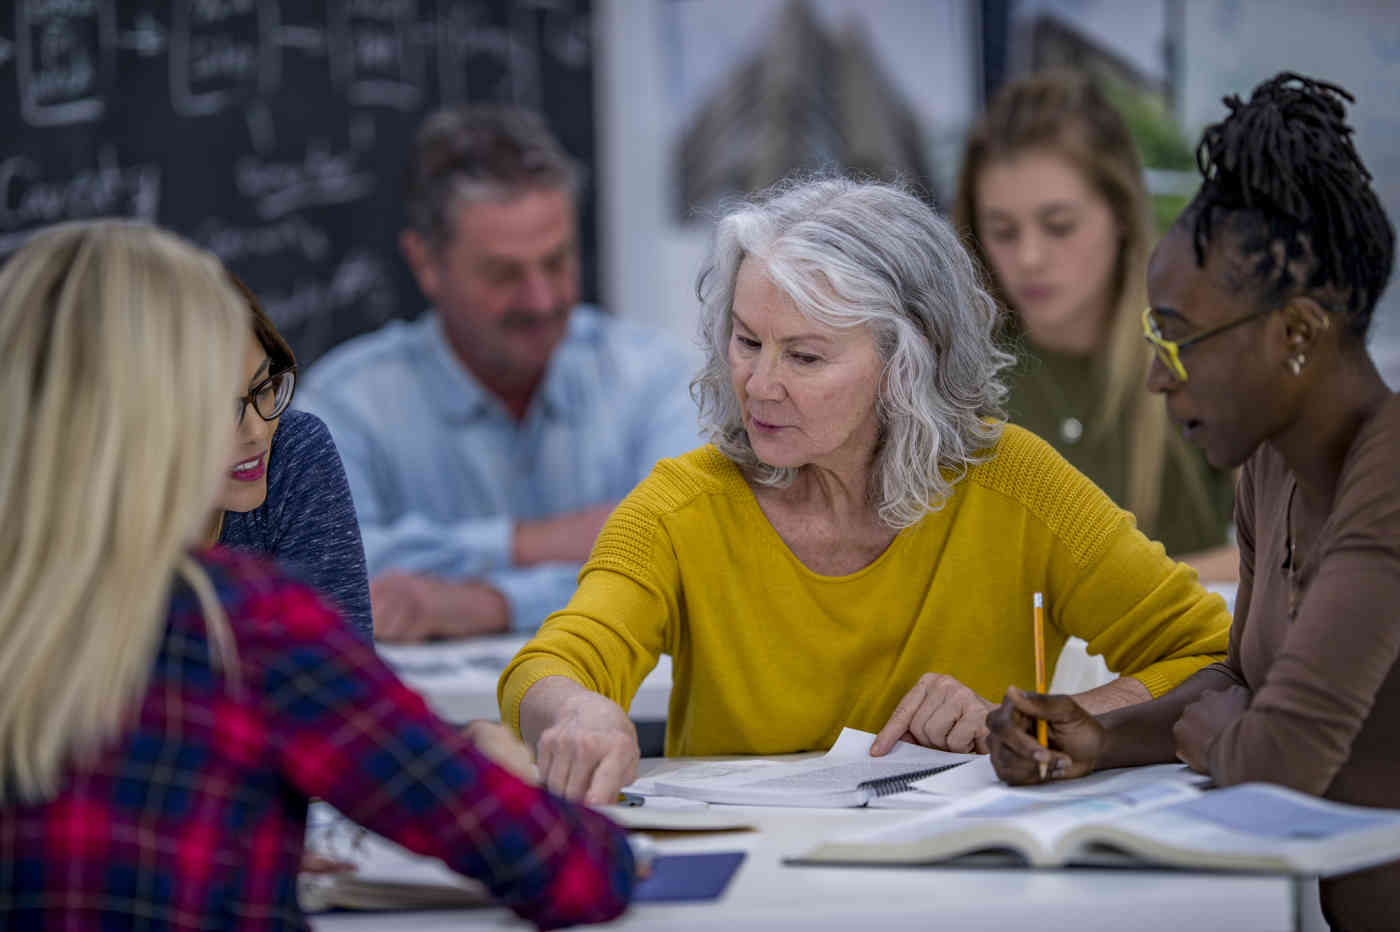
(852,253)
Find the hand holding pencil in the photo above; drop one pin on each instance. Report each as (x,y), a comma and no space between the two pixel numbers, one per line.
(1077,737)
(1021,728)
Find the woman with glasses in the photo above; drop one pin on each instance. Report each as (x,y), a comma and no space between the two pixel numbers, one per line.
(166,710)
(1052,202)
(1260,299)
(285,493)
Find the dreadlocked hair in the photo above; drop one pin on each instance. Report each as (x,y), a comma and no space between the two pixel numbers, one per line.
(1283,170)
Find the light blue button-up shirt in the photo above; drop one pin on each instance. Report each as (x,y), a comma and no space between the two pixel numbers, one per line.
(440,472)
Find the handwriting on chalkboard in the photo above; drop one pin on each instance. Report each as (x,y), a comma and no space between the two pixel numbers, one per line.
(375,54)
(60,53)
(216,53)
(322,177)
(271,132)
(235,244)
(28,199)
(359,281)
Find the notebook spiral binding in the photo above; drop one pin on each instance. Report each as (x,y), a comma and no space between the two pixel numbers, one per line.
(886,786)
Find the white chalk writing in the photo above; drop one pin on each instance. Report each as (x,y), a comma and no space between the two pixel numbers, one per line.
(27,199)
(233,244)
(359,280)
(322,177)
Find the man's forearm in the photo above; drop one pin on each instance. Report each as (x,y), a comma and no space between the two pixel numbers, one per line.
(566,538)
(484,608)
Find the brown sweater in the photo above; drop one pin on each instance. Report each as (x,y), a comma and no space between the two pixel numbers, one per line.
(1325,714)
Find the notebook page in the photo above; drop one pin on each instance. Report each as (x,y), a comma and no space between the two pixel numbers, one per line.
(840,771)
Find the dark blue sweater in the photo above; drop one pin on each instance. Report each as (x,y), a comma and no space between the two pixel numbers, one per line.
(308,522)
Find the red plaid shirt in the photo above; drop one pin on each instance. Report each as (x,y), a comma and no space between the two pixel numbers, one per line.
(193,818)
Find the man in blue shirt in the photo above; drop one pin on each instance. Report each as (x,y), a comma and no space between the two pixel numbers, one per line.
(487,441)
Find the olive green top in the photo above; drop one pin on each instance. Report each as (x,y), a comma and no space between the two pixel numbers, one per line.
(1054,395)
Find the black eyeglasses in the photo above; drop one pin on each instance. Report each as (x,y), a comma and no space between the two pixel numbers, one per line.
(269,397)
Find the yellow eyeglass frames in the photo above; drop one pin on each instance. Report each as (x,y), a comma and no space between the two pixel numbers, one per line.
(1169,351)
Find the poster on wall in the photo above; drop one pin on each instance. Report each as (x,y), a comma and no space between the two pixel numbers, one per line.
(757,91)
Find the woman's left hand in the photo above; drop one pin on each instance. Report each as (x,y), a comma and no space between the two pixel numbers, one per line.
(939,712)
(1205,718)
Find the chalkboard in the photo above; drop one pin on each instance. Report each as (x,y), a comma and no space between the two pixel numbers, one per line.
(273,132)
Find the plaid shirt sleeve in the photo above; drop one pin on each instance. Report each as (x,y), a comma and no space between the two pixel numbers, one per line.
(344,728)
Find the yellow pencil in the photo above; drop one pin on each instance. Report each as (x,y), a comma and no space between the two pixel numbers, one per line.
(1040,735)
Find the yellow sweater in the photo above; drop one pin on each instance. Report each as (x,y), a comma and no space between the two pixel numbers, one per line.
(769,657)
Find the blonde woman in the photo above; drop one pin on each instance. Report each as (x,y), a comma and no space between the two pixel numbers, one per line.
(1051,200)
(166,713)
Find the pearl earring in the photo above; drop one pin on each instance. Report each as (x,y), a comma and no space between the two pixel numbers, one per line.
(1296,363)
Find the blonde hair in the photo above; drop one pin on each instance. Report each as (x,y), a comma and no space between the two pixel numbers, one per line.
(119,355)
(1063,112)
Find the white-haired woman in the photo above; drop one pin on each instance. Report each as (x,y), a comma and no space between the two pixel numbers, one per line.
(165,714)
(860,543)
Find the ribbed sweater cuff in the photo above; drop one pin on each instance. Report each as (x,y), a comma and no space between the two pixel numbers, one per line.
(1166,675)
(522,678)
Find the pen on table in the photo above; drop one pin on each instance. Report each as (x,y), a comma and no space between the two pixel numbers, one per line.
(1038,602)
(631,799)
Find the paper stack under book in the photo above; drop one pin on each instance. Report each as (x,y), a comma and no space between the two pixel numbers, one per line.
(1250,827)
(385,876)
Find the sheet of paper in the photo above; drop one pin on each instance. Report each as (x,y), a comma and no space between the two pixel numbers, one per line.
(854,744)
(979,774)
(972,776)
(846,765)
(698,818)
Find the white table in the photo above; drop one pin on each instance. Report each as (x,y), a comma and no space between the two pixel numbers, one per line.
(767,894)
(458,678)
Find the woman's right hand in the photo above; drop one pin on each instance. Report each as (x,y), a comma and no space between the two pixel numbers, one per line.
(1076,738)
(589,751)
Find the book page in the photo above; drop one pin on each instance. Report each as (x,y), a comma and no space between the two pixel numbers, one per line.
(1256,825)
(832,779)
(1268,816)
(979,775)
(1034,824)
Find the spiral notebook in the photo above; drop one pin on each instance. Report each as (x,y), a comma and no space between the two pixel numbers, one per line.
(843,777)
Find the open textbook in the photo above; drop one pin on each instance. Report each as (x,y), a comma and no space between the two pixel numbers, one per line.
(844,776)
(974,776)
(1250,827)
